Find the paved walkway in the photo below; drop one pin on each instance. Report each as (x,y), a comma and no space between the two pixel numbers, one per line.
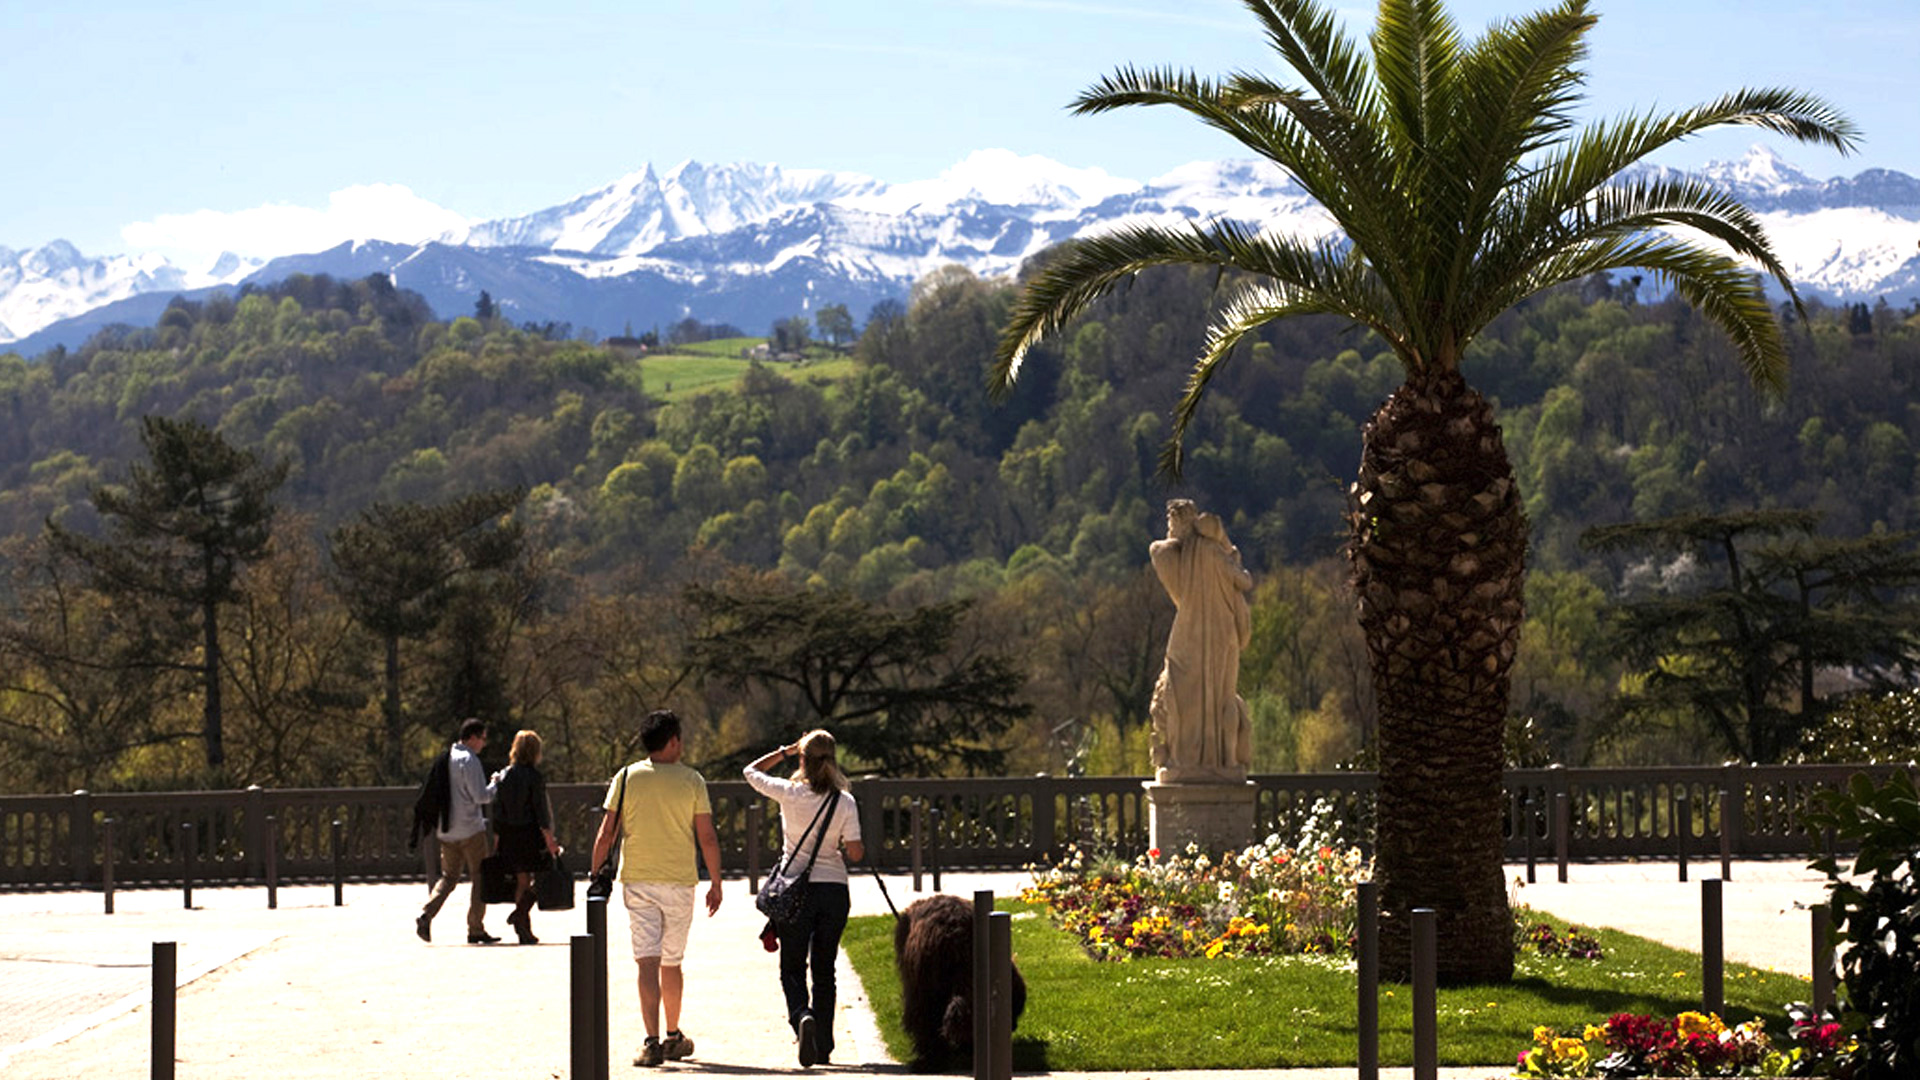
(311,990)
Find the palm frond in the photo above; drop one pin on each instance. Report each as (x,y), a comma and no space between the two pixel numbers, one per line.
(1090,268)
(1416,59)
(1308,37)
(1346,288)
(1519,86)
(1726,292)
(1619,212)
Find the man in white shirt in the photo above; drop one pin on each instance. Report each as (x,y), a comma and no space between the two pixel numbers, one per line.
(463,835)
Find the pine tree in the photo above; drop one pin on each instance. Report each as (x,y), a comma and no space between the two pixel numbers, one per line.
(179,531)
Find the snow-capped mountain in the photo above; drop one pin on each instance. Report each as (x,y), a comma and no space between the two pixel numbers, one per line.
(44,285)
(748,244)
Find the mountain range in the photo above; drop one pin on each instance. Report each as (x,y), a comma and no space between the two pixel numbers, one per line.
(749,244)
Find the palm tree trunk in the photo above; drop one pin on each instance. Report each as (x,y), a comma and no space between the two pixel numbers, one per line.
(1438,555)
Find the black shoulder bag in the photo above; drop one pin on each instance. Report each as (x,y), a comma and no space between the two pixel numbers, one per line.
(784,896)
(601,886)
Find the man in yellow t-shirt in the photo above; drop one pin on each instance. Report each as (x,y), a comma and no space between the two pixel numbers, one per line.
(659,810)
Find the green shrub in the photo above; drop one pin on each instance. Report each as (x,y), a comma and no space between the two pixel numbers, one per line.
(1878,927)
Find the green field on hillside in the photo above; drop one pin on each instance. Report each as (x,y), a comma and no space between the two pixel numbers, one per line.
(698,368)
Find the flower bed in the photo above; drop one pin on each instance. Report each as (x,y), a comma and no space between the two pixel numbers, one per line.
(1691,1044)
(1273,898)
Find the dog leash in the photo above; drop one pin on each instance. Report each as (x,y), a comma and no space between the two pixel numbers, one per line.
(884,895)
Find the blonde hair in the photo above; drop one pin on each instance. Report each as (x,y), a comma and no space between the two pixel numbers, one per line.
(818,768)
(526,748)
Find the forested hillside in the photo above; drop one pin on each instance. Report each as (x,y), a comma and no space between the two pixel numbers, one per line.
(900,483)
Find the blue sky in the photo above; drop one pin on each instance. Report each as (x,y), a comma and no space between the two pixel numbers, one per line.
(189,126)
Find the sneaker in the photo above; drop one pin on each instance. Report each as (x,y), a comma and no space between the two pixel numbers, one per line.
(676,1045)
(808,1053)
(650,1053)
(424,927)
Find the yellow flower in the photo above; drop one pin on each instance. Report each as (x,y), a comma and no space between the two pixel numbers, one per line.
(1693,1023)
(1542,1035)
(1594,1033)
(1570,1052)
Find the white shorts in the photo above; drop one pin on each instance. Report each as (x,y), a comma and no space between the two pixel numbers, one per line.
(660,916)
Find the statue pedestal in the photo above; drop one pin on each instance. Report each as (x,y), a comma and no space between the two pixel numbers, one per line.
(1217,815)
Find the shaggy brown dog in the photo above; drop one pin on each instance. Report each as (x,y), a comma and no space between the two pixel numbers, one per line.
(933,949)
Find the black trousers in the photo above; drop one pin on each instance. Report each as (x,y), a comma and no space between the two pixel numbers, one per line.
(813,941)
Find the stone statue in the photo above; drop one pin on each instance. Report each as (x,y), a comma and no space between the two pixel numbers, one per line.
(1201,728)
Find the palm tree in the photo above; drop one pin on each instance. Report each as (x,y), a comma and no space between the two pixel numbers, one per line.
(1462,185)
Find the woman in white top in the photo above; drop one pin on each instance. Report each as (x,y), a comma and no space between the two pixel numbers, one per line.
(813,940)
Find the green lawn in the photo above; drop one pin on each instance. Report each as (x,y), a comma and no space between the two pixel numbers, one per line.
(1083,1015)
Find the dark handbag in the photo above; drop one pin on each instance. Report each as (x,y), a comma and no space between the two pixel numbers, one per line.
(553,887)
(784,896)
(496,881)
(600,885)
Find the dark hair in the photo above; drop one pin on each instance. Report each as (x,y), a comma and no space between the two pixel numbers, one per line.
(658,729)
(472,726)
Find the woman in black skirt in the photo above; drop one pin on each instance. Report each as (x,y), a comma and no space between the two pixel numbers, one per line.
(523,824)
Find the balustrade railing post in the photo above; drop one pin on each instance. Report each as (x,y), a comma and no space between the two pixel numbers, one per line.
(1562,830)
(1045,824)
(271,841)
(1562,817)
(1727,834)
(80,838)
(1526,826)
(186,864)
(933,849)
(339,864)
(1682,822)
(256,833)
(165,964)
(916,816)
(1426,1044)
(1367,963)
(106,863)
(1733,815)
(754,811)
(1712,947)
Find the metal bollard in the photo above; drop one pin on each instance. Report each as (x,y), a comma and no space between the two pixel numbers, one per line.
(106,863)
(1822,918)
(186,864)
(273,863)
(165,964)
(580,997)
(1000,955)
(982,987)
(1562,829)
(1367,961)
(1712,948)
(597,929)
(339,864)
(1426,967)
(1682,825)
